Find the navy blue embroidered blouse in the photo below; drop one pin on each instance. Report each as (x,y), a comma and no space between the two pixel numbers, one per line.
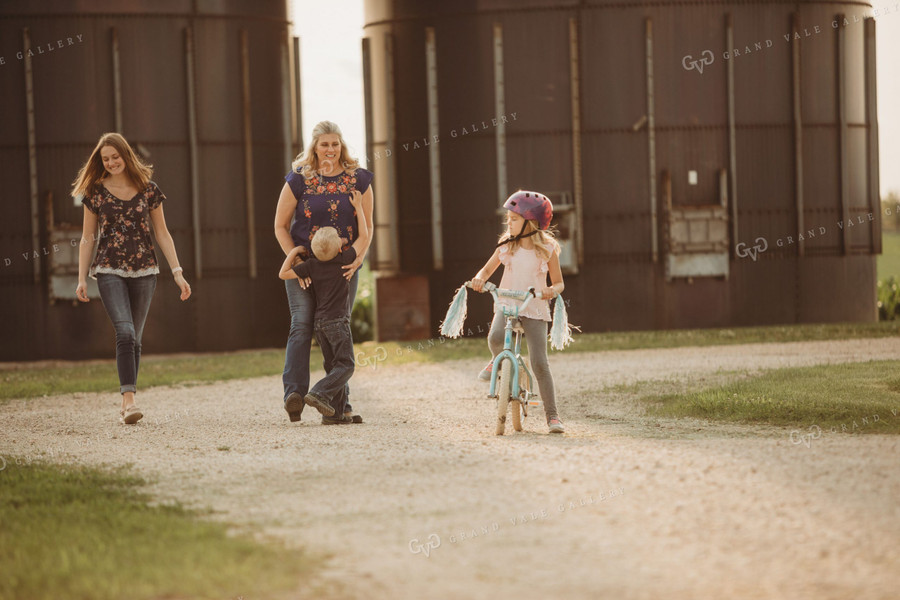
(325,202)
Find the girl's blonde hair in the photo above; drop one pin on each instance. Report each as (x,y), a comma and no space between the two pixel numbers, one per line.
(92,172)
(545,244)
(307,162)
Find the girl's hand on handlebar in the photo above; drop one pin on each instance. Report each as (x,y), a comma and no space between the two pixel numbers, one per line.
(478,285)
(548,292)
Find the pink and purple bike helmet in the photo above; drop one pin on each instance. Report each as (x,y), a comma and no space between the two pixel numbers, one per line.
(532,206)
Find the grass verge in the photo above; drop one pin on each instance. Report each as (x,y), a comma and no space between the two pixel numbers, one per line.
(84,533)
(851,398)
(27,381)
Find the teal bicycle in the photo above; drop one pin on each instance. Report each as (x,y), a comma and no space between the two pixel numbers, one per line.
(511,379)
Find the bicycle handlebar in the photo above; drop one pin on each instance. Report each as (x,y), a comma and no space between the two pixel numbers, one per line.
(498,292)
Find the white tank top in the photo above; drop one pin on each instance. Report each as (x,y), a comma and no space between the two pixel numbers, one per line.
(521,270)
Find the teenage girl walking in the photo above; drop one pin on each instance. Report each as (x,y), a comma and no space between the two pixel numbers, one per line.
(529,253)
(120,201)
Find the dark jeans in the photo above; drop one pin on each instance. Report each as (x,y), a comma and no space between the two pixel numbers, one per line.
(336,341)
(127,302)
(296,355)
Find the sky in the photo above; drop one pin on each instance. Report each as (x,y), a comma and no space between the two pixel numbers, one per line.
(331,72)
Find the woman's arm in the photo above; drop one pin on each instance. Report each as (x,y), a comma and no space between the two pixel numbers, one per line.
(284,212)
(486,271)
(85,250)
(556,279)
(368,203)
(167,245)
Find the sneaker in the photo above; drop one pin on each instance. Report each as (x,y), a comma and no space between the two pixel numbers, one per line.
(342,420)
(354,417)
(485,374)
(294,406)
(319,404)
(556,426)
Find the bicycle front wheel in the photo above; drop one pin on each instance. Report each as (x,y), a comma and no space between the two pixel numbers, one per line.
(504,382)
(517,403)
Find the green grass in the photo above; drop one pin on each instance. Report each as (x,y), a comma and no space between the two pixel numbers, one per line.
(84,533)
(27,381)
(853,398)
(100,376)
(889,259)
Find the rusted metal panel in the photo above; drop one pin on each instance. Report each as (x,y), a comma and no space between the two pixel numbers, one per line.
(248,153)
(434,153)
(651,141)
(194,150)
(577,228)
(798,131)
(402,307)
(873,190)
(500,109)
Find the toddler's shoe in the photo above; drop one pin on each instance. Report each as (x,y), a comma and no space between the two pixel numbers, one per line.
(341,420)
(355,418)
(294,406)
(556,426)
(319,404)
(485,374)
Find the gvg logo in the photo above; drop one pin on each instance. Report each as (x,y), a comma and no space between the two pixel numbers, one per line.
(380,355)
(706,58)
(742,250)
(433,542)
(797,437)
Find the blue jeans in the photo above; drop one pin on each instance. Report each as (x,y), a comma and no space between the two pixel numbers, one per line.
(127,302)
(296,355)
(336,341)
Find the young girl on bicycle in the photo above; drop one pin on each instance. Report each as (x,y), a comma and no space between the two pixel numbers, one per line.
(528,252)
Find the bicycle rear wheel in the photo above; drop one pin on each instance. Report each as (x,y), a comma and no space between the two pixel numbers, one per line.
(504,382)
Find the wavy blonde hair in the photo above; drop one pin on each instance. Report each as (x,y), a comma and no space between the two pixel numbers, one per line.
(307,162)
(92,172)
(545,243)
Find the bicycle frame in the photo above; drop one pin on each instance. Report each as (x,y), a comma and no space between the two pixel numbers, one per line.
(511,351)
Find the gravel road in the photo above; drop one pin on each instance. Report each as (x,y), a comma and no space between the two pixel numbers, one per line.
(423,501)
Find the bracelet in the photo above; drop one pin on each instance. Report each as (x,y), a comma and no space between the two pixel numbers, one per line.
(177,269)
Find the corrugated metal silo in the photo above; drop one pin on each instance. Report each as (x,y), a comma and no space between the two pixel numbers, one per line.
(204,88)
(687,147)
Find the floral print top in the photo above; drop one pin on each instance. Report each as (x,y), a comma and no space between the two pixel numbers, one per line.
(125,248)
(325,202)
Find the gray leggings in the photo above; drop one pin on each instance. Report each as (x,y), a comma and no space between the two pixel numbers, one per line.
(536,336)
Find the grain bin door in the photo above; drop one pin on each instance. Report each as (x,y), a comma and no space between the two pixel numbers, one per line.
(695,238)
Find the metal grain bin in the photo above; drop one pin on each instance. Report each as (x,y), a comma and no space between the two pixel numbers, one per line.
(205,90)
(712,163)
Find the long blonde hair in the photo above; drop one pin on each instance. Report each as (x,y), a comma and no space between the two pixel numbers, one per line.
(545,244)
(307,162)
(92,172)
